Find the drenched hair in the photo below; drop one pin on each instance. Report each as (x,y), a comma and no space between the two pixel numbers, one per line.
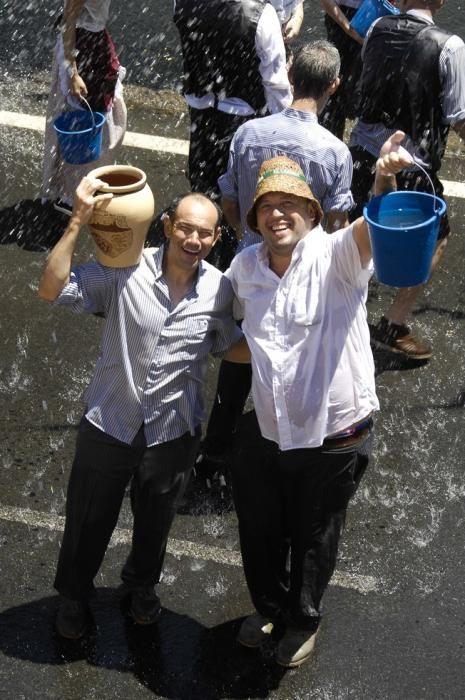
(172,210)
(316,65)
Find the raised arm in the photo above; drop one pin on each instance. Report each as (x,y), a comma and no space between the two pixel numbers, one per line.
(57,269)
(292,27)
(332,9)
(392,159)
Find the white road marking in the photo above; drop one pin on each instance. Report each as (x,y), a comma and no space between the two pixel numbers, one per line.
(163,144)
(131,138)
(178,548)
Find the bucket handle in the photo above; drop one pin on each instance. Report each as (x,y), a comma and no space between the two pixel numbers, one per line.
(90,110)
(417,164)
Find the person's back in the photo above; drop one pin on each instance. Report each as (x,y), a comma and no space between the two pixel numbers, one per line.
(218,39)
(324,159)
(234,69)
(400,85)
(413,78)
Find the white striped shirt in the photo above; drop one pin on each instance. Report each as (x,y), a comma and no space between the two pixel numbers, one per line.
(153,357)
(324,159)
(452,76)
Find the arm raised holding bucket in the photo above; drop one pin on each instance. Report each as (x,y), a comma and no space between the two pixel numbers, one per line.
(57,270)
(392,159)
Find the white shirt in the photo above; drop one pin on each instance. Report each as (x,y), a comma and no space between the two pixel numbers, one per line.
(285,8)
(94,15)
(313,370)
(269,45)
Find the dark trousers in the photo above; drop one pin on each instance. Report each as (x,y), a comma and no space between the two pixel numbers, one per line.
(233,387)
(101,471)
(342,105)
(291,508)
(210,137)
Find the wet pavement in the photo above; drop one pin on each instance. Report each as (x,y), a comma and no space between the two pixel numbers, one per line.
(394,615)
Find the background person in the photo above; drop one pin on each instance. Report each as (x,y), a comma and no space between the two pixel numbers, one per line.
(85,63)
(144,404)
(413,79)
(341,105)
(300,457)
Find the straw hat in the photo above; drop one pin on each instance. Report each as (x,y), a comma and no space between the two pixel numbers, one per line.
(281,174)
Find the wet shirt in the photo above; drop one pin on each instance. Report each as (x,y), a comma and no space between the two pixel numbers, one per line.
(452,75)
(94,15)
(153,356)
(313,371)
(324,159)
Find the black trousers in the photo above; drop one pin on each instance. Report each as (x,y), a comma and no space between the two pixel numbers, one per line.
(233,387)
(342,105)
(211,132)
(101,471)
(291,508)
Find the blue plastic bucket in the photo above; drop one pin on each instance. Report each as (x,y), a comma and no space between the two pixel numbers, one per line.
(403,230)
(79,135)
(370,10)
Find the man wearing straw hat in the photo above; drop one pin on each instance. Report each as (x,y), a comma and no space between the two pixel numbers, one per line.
(144,404)
(301,454)
(413,79)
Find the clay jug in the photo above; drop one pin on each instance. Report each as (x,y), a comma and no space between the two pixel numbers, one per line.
(119,226)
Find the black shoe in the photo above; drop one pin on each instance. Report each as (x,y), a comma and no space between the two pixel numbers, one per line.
(145,606)
(212,469)
(73,618)
(64,207)
(397,338)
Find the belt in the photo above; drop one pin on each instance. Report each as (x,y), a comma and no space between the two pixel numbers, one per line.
(351,437)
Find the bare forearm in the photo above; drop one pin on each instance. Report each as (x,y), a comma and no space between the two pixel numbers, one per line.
(337,15)
(72,10)
(58,266)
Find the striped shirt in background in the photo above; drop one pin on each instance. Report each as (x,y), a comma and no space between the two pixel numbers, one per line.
(324,159)
(452,75)
(153,357)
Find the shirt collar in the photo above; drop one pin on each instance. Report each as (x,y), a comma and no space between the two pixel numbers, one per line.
(306,248)
(157,262)
(421,15)
(304,116)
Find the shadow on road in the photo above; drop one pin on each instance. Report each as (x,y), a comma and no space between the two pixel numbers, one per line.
(31,225)
(177,658)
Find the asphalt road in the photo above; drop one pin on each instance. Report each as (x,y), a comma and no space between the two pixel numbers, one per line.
(394,614)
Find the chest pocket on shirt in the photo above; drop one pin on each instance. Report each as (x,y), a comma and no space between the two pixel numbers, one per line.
(306,308)
(196,326)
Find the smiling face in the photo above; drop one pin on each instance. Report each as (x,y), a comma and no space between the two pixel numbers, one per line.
(192,231)
(283,220)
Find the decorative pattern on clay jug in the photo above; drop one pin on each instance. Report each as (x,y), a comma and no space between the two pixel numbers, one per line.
(119,227)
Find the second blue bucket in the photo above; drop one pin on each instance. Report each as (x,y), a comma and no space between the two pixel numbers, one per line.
(403,229)
(80,135)
(368,11)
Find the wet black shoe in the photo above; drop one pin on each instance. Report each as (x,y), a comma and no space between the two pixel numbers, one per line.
(398,338)
(145,606)
(73,618)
